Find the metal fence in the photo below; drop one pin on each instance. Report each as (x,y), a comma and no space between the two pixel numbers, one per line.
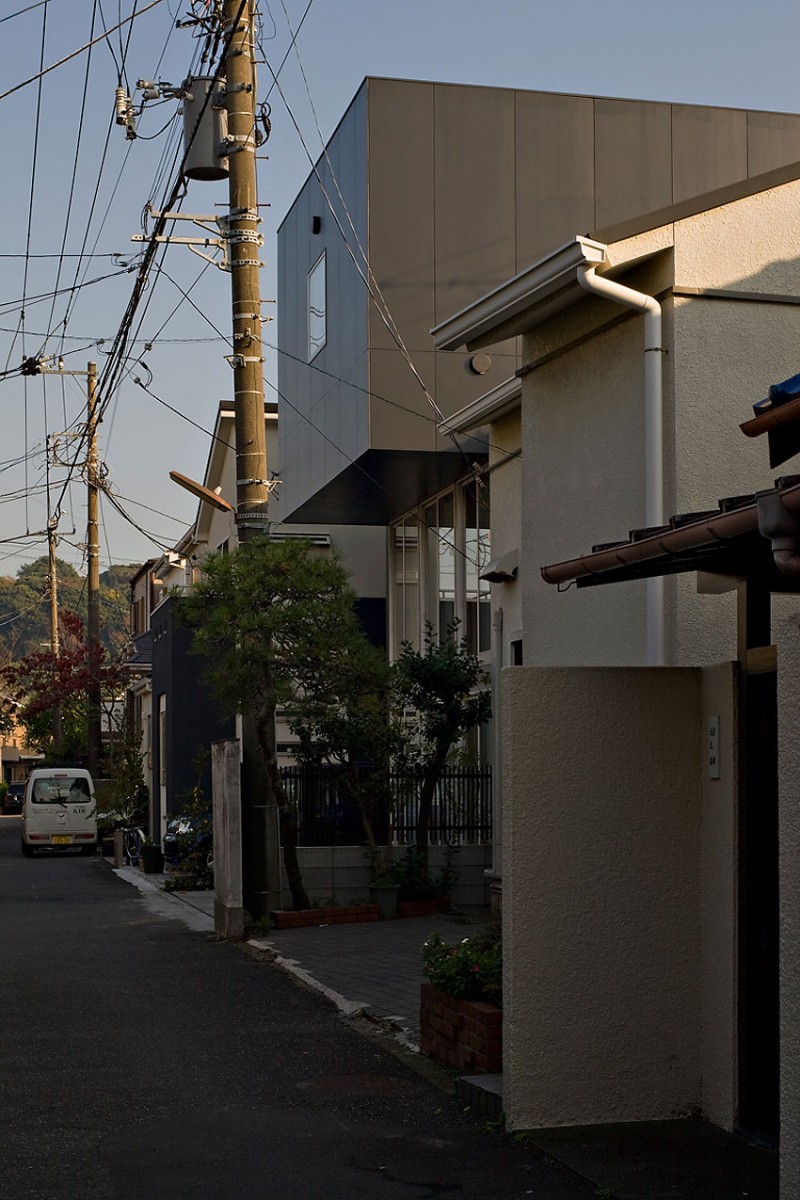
(461,813)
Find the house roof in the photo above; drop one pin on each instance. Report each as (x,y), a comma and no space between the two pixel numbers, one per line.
(722,541)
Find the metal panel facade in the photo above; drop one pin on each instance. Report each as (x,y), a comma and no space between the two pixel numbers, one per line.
(453,189)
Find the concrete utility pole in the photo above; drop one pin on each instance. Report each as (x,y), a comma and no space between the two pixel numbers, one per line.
(260,830)
(93,580)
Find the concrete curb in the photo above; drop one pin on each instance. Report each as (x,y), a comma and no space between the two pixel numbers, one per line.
(167,904)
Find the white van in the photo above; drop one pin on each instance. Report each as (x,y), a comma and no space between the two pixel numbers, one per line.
(59,810)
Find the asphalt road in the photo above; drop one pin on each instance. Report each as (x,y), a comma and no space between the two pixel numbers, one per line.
(140,1059)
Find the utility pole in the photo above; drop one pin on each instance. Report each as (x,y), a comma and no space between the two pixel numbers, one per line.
(93,579)
(55,641)
(260,827)
(244,241)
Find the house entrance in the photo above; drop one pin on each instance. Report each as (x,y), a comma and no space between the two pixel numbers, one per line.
(758,908)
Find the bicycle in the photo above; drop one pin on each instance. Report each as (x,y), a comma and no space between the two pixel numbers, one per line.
(133,840)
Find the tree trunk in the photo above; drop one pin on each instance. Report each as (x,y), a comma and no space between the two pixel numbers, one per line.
(288,824)
(428,790)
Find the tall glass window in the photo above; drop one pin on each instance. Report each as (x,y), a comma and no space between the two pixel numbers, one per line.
(440,551)
(317,308)
(441,563)
(406,583)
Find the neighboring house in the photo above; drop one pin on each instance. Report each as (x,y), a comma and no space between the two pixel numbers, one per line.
(643,855)
(16,758)
(178,718)
(448,190)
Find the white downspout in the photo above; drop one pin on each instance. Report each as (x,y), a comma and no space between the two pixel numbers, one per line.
(653,433)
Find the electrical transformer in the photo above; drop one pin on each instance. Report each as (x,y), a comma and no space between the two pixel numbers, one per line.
(205,128)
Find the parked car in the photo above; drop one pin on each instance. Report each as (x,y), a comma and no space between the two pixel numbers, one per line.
(12,801)
(185,835)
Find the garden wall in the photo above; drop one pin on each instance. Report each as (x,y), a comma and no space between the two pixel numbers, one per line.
(342,873)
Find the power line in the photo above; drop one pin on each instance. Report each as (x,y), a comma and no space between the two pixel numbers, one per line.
(81,50)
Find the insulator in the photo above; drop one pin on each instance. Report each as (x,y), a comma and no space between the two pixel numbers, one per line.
(122,105)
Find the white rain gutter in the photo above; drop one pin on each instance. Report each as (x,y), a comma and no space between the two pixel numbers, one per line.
(653,432)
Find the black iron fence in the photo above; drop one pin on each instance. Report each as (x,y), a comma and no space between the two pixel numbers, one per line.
(461,813)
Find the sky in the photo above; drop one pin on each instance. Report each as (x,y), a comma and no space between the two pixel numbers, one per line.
(73,186)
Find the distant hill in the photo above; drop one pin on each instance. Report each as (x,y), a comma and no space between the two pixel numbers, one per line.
(25,606)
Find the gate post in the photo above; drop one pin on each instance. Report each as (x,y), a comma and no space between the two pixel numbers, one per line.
(227,809)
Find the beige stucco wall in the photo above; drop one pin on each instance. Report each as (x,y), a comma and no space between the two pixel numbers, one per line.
(601,905)
(583,483)
(719,901)
(788,640)
(583,429)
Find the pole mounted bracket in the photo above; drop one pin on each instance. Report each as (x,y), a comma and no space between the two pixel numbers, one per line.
(241,360)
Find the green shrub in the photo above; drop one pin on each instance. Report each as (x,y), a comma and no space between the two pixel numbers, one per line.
(472,969)
(413,877)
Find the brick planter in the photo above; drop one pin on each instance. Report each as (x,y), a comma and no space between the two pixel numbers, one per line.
(424,908)
(466,1034)
(296,918)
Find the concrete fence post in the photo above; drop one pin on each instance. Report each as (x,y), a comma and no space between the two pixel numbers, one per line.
(227,809)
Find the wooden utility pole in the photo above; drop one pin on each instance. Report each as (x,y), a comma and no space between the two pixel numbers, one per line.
(93,579)
(244,243)
(260,832)
(55,641)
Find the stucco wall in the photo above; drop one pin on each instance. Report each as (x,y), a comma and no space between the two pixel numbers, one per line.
(788,640)
(341,874)
(583,483)
(719,900)
(601,905)
(583,429)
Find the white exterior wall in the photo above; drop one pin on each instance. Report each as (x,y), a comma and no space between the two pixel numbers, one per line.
(601,907)
(505,436)
(583,483)
(583,429)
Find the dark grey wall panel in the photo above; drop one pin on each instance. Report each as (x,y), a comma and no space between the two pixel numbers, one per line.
(475,219)
(401,217)
(633,160)
(555,172)
(773,140)
(453,189)
(709,149)
(314,388)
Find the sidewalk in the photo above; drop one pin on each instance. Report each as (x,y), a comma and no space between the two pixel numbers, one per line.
(375,969)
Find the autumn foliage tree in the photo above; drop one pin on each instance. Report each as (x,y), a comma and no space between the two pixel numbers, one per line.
(41,682)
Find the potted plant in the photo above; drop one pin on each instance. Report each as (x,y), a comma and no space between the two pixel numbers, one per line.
(385,891)
(152,858)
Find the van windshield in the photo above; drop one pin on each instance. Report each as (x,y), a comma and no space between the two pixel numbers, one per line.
(61,790)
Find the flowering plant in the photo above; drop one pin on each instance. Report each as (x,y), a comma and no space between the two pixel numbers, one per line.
(472,969)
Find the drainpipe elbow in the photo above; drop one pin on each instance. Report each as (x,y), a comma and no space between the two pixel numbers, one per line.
(787,561)
(782,529)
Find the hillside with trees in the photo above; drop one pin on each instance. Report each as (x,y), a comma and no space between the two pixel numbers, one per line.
(25,607)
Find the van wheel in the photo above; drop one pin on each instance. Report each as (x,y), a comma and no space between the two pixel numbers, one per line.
(27,850)
(87,850)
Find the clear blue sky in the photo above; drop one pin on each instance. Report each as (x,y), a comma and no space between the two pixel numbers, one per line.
(722,52)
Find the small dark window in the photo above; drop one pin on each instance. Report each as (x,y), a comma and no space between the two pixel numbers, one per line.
(516,653)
